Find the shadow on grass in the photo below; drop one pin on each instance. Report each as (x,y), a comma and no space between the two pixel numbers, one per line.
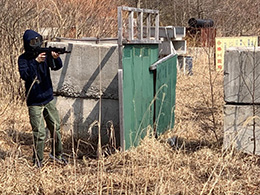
(190,146)
(80,148)
(2,154)
(14,138)
(19,137)
(86,148)
(207,124)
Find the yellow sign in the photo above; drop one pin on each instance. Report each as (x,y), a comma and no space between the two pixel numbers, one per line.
(223,43)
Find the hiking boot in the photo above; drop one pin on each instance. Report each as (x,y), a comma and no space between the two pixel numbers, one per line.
(59,158)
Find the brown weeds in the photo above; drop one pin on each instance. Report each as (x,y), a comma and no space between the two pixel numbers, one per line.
(194,165)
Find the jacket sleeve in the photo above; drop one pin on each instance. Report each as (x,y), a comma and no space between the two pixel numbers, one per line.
(27,68)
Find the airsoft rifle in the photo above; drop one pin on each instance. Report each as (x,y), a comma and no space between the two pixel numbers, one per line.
(48,50)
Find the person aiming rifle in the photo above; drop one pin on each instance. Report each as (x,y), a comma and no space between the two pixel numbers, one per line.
(34,69)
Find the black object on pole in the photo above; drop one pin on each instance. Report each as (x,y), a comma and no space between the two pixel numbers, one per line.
(200,23)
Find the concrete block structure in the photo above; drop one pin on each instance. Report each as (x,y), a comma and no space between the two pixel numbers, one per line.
(86,84)
(108,84)
(242,97)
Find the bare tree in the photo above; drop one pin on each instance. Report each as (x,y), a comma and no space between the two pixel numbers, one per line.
(231,18)
(73,19)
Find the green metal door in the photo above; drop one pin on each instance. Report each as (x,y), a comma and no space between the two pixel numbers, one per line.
(165,84)
(138,91)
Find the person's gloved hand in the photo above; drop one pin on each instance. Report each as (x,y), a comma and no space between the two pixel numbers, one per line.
(41,57)
(55,55)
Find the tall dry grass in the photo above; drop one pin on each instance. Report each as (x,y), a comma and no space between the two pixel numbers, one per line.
(195,165)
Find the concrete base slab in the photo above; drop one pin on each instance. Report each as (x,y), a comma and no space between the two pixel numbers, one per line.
(239,125)
(81,116)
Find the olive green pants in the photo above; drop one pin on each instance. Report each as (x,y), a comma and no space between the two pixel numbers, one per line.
(38,116)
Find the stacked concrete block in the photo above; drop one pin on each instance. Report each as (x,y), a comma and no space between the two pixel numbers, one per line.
(239,128)
(242,75)
(242,97)
(86,89)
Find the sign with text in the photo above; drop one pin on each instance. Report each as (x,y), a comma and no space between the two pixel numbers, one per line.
(223,43)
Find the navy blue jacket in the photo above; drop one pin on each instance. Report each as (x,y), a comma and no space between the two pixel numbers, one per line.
(38,84)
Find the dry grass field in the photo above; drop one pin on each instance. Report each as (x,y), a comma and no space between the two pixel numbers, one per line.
(196,164)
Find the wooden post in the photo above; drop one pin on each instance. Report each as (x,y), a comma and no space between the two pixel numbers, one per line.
(131,26)
(140,26)
(120,35)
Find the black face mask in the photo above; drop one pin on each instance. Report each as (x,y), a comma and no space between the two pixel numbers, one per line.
(34,45)
(36,42)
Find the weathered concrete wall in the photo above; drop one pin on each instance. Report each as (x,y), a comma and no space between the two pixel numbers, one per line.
(241,75)
(88,72)
(80,115)
(242,95)
(80,75)
(238,127)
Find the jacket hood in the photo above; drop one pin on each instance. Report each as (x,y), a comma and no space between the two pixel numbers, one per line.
(28,35)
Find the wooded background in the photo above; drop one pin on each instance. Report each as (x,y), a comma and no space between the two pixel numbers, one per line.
(98,18)
(231,18)
(195,165)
